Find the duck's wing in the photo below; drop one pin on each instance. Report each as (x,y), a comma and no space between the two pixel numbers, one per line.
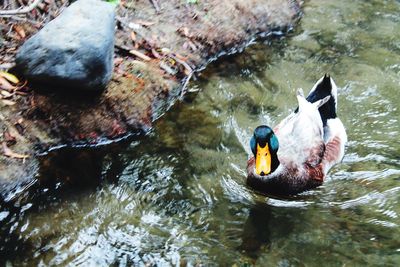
(335,136)
(301,135)
(335,140)
(323,88)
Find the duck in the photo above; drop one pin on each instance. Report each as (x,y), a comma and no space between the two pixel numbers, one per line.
(296,155)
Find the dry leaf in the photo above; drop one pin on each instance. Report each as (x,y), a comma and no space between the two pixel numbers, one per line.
(179,56)
(167,68)
(155,53)
(192,45)
(144,23)
(20,31)
(21,86)
(186,31)
(21,93)
(4,84)
(11,78)
(133,36)
(9,153)
(118,61)
(6,94)
(6,65)
(165,50)
(9,138)
(8,102)
(140,55)
(139,63)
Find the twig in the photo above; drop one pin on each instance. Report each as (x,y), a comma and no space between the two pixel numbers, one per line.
(183,63)
(156,5)
(139,55)
(20,11)
(185,84)
(7,66)
(5,3)
(24,19)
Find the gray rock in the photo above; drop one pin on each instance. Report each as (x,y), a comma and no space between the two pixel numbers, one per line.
(75,50)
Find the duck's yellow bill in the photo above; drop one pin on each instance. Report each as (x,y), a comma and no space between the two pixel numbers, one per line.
(263,160)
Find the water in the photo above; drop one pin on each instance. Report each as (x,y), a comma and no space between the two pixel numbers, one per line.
(178,197)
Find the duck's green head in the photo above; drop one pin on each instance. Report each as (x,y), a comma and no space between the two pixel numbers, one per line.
(264,145)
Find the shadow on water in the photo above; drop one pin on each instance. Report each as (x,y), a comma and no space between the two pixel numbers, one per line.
(70,174)
(63,173)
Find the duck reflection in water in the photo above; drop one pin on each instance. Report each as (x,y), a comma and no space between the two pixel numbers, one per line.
(266,222)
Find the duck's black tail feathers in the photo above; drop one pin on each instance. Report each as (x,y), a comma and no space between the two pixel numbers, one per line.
(324,87)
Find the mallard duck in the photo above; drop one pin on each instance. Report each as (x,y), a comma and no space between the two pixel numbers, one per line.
(297,154)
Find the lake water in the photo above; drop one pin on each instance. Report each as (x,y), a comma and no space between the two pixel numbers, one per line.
(178,196)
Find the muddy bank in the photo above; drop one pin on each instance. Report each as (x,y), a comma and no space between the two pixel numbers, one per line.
(159,47)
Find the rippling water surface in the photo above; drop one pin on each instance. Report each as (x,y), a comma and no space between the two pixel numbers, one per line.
(179,196)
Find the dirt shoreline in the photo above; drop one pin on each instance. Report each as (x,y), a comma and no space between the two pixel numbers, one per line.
(158,49)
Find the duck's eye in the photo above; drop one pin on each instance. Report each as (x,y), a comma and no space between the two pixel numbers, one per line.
(266,154)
